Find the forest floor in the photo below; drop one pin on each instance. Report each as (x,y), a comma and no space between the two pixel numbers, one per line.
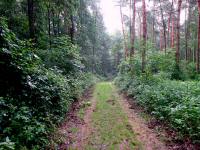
(104,120)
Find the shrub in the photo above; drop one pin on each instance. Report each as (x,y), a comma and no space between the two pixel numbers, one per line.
(34,97)
(175,102)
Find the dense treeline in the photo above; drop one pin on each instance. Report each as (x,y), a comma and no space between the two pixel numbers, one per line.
(48,52)
(161,61)
(43,21)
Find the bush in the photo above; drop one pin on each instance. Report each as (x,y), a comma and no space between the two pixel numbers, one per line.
(63,54)
(176,102)
(34,97)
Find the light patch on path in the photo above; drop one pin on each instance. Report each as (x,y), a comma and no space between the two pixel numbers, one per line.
(146,136)
(84,130)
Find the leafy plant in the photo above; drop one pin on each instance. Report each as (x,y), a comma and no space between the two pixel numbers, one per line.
(35,95)
(175,102)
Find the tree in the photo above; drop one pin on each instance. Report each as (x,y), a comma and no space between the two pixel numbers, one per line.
(171,26)
(133,30)
(123,31)
(172,33)
(164,27)
(198,48)
(144,25)
(178,33)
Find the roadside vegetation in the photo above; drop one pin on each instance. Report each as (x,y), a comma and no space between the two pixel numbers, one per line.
(170,95)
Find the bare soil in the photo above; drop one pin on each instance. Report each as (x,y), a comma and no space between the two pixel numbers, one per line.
(85,129)
(75,140)
(146,136)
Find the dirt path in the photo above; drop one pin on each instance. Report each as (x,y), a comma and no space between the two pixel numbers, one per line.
(86,129)
(109,123)
(146,136)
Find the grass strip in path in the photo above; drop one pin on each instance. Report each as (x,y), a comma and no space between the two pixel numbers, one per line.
(110,125)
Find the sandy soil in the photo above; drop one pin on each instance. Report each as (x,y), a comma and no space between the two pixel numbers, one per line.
(146,136)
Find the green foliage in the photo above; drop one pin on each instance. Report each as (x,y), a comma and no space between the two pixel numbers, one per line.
(34,97)
(158,61)
(93,41)
(62,54)
(7,145)
(175,102)
(165,90)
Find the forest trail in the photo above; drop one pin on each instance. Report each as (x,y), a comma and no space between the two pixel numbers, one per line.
(110,124)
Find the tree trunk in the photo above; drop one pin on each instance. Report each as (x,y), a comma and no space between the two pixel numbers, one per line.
(130,15)
(65,22)
(58,24)
(123,31)
(172,33)
(187,33)
(140,28)
(161,38)
(31,19)
(53,22)
(133,31)
(153,25)
(178,33)
(144,35)
(153,32)
(72,29)
(49,24)
(164,27)
(94,44)
(198,48)
(171,21)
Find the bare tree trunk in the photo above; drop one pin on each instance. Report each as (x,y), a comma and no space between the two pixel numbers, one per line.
(133,31)
(58,24)
(164,27)
(53,22)
(72,29)
(144,35)
(153,24)
(172,33)
(161,38)
(169,25)
(194,54)
(124,35)
(65,22)
(93,49)
(153,32)
(178,33)
(140,28)
(130,15)
(168,32)
(191,55)
(49,23)
(198,48)
(187,32)
(31,19)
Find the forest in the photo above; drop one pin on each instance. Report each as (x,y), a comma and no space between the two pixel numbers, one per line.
(67,83)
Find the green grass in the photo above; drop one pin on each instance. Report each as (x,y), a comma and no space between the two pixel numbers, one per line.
(84,106)
(74,130)
(109,122)
(81,112)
